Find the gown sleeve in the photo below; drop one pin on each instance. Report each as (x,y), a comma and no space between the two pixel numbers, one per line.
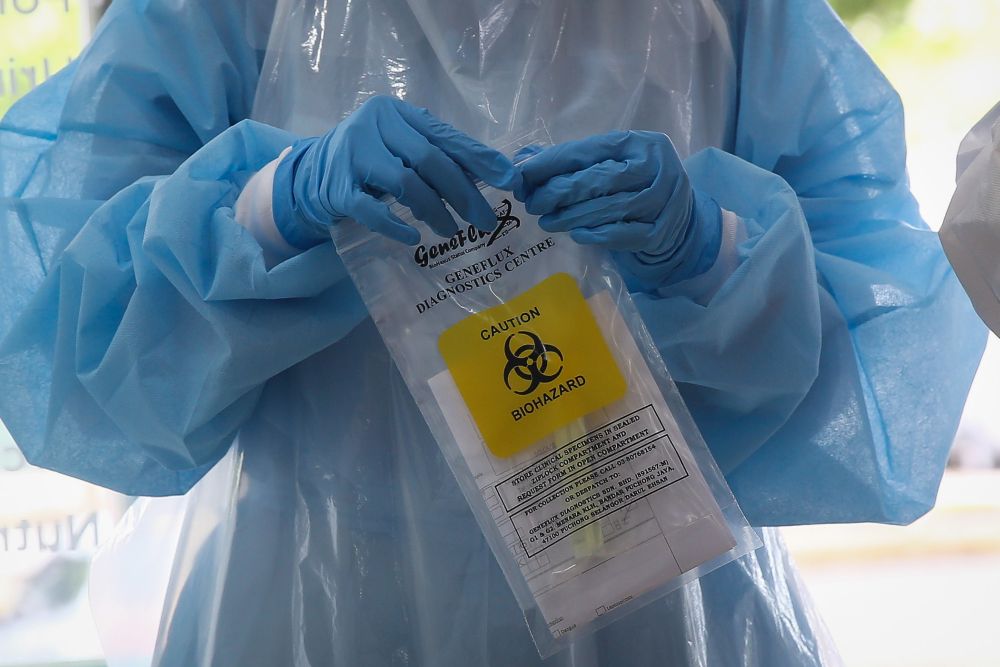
(829,371)
(138,321)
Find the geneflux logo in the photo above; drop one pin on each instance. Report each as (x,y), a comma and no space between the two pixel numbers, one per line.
(506,223)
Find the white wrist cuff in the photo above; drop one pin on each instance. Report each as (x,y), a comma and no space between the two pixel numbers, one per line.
(254,212)
(703,287)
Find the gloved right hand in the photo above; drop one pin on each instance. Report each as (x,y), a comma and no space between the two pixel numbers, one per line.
(386,147)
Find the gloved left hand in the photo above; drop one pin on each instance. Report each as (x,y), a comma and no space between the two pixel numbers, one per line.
(629,192)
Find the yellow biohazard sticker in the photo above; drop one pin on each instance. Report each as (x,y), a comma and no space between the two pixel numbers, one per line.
(532,365)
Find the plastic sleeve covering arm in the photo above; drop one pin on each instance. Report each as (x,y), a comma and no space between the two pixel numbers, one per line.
(828,373)
(142,323)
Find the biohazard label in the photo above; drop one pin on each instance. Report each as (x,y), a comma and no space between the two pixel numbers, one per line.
(532,365)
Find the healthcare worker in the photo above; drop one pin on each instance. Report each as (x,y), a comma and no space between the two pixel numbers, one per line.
(170,287)
(971,230)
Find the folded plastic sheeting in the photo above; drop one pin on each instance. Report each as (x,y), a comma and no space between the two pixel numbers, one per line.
(243,571)
(971,230)
(141,328)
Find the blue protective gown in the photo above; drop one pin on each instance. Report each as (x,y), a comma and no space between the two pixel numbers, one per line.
(141,332)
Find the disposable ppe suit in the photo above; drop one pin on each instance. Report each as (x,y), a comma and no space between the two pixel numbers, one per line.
(971,230)
(826,356)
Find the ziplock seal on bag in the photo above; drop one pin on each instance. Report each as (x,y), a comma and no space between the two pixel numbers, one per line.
(555,412)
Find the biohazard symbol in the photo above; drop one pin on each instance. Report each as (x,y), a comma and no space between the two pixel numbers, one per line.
(530,362)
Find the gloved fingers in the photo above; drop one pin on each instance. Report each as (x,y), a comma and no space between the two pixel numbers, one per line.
(602,179)
(574,156)
(385,173)
(528,151)
(483,162)
(591,213)
(631,236)
(376,216)
(443,175)
(641,147)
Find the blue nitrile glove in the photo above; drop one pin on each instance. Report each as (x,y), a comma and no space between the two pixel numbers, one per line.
(386,147)
(629,192)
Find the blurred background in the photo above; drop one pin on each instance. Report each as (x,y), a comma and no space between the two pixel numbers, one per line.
(927,595)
